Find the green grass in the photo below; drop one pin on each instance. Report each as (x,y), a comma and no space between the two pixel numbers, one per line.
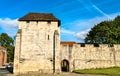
(112,71)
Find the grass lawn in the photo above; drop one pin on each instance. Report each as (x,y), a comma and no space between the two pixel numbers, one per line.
(112,71)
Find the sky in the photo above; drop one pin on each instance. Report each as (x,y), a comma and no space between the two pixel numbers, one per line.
(77,16)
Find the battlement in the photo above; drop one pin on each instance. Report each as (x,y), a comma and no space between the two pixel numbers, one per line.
(86,45)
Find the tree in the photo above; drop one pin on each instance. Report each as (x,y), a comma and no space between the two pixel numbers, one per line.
(106,32)
(7,42)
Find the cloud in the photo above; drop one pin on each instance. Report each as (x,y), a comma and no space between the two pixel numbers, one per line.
(64,31)
(8,23)
(103,13)
(81,35)
(93,21)
(9,26)
(88,23)
(80,28)
(93,8)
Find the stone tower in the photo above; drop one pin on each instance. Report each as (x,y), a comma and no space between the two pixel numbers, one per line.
(37,44)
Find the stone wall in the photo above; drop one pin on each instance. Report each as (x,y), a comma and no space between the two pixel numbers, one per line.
(90,56)
(35,43)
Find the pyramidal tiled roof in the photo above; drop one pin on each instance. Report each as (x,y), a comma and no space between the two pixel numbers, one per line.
(39,17)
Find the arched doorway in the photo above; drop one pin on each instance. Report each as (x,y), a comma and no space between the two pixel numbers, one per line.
(65,65)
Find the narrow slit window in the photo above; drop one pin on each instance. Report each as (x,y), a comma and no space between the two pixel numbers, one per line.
(37,22)
(48,37)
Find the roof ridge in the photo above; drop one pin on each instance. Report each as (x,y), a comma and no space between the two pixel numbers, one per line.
(32,16)
(39,13)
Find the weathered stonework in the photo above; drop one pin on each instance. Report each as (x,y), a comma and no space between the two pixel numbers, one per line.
(36,42)
(90,56)
(38,49)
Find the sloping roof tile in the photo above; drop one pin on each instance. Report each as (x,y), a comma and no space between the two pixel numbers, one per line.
(39,17)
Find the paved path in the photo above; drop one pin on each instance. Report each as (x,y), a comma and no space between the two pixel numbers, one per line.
(62,74)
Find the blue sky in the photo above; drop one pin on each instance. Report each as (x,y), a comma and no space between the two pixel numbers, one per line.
(77,16)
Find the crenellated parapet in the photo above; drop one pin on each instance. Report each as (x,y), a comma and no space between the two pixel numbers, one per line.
(83,56)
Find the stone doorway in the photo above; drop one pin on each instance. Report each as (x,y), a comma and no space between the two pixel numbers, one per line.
(65,65)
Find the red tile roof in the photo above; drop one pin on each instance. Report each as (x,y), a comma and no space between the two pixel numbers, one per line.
(70,43)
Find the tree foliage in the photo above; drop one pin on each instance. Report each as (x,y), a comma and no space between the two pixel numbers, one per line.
(106,32)
(7,42)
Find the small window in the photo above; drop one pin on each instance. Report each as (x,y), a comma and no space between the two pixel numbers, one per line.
(49,22)
(48,37)
(82,45)
(37,21)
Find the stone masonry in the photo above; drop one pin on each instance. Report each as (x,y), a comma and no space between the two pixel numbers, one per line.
(38,48)
(85,56)
(37,44)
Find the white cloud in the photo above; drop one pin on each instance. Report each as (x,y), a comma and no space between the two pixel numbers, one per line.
(9,26)
(88,23)
(81,35)
(80,28)
(64,31)
(96,20)
(8,23)
(99,10)
(92,7)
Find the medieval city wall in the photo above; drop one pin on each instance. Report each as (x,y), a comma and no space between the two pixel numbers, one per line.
(38,48)
(89,56)
(34,47)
